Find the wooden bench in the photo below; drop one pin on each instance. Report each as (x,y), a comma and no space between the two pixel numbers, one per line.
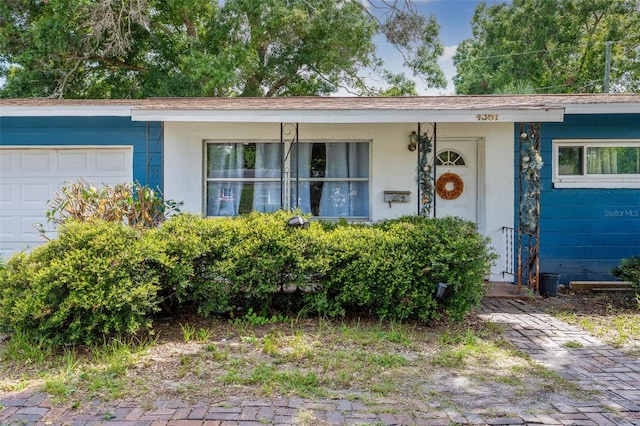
(600,285)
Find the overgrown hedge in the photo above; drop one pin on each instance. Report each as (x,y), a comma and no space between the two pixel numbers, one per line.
(106,278)
(93,280)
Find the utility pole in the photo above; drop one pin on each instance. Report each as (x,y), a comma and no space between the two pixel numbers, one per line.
(607,66)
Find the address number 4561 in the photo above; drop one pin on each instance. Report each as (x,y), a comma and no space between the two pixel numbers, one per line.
(487,117)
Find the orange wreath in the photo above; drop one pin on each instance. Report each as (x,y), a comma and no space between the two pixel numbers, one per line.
(449,194)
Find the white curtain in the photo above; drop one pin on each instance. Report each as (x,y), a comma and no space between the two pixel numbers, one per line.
(602,160)
(345,199)
(266,195)
(225,161)
(301,190)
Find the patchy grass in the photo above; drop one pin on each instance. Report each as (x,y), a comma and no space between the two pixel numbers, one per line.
(359,359)
(612,317)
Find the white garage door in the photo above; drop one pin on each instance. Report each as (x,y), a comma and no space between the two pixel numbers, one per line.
(29,177)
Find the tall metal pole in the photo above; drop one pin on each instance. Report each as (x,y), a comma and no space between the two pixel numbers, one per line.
(419,169)
(607,67)
(434,157)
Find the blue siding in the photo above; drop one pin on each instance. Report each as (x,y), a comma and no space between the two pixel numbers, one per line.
(145,138)
(586,232)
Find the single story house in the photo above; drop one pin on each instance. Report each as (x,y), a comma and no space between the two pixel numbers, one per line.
(349,157)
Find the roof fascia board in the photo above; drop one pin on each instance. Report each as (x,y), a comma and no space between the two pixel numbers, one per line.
(553,114)
(609,108)
(67,111)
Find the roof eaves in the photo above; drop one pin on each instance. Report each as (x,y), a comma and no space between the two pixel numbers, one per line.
(102,110)
(494,114)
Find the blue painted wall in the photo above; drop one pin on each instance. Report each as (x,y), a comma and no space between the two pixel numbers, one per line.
(586,232)
(146,138)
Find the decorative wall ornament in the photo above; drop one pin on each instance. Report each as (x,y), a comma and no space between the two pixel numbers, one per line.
(444,180)
(529,207)
(426,170)
(530,166)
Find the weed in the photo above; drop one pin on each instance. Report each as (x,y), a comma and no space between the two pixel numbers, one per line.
(61,387)
(27,349)
(387,360)
(384,387)
(254,319)
(214,353)
(572,344)
(449,358)
(510,380)
(203,335)
(188,332)
(307,418)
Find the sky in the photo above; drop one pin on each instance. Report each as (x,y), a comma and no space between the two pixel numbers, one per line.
(454,17)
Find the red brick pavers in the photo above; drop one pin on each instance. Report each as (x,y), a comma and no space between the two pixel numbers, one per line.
(576,356)
(614,378)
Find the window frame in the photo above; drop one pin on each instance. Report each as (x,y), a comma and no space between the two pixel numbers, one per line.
(586,180)
(287,180)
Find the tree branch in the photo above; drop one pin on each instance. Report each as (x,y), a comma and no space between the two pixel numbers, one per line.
(191,28)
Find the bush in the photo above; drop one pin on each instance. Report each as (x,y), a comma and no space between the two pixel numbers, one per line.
(134,204)
(249,262)
(93,280)
(629,270)
(105,278)
(392,269)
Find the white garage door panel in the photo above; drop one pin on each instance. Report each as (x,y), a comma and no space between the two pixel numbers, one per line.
(73,161)
(39,162)
(5,163)
(6,226)
(34,193)
(111,162)
(6,193)
(31,177)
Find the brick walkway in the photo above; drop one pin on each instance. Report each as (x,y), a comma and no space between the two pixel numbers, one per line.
(592,365)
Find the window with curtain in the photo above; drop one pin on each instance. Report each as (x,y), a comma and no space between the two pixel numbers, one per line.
(326,179)
(597,163)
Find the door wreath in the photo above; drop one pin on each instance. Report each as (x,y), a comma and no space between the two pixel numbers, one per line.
(453,193)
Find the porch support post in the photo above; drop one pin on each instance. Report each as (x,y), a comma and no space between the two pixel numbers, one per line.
(528,212)
(288,130)
(426,169)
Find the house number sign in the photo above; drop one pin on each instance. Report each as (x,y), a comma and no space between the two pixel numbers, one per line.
(487,117)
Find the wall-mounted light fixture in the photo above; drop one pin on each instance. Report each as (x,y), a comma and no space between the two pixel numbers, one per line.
(413,141)
(298,222)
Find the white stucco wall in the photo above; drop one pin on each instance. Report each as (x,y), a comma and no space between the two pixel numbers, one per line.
(393,166)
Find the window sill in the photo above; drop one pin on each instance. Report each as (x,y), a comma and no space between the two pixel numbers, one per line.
(598,184)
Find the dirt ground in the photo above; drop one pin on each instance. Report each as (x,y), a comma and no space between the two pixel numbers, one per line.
(468,368)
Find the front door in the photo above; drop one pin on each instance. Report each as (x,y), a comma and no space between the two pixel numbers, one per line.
(457,179)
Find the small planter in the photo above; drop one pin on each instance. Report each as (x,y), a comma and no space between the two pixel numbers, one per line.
(548,286)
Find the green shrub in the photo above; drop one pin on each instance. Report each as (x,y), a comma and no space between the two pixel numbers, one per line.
(94,279)
(103,278)
(221,264)
(392,269)
(191,246)
(629,270)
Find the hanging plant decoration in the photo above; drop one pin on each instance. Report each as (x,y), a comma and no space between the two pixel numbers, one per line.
(425,174)
(446,179)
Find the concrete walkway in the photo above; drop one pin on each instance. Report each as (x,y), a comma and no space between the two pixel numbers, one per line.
(614,378)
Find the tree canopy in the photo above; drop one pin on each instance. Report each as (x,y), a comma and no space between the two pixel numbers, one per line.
(143,48)
(551,46)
